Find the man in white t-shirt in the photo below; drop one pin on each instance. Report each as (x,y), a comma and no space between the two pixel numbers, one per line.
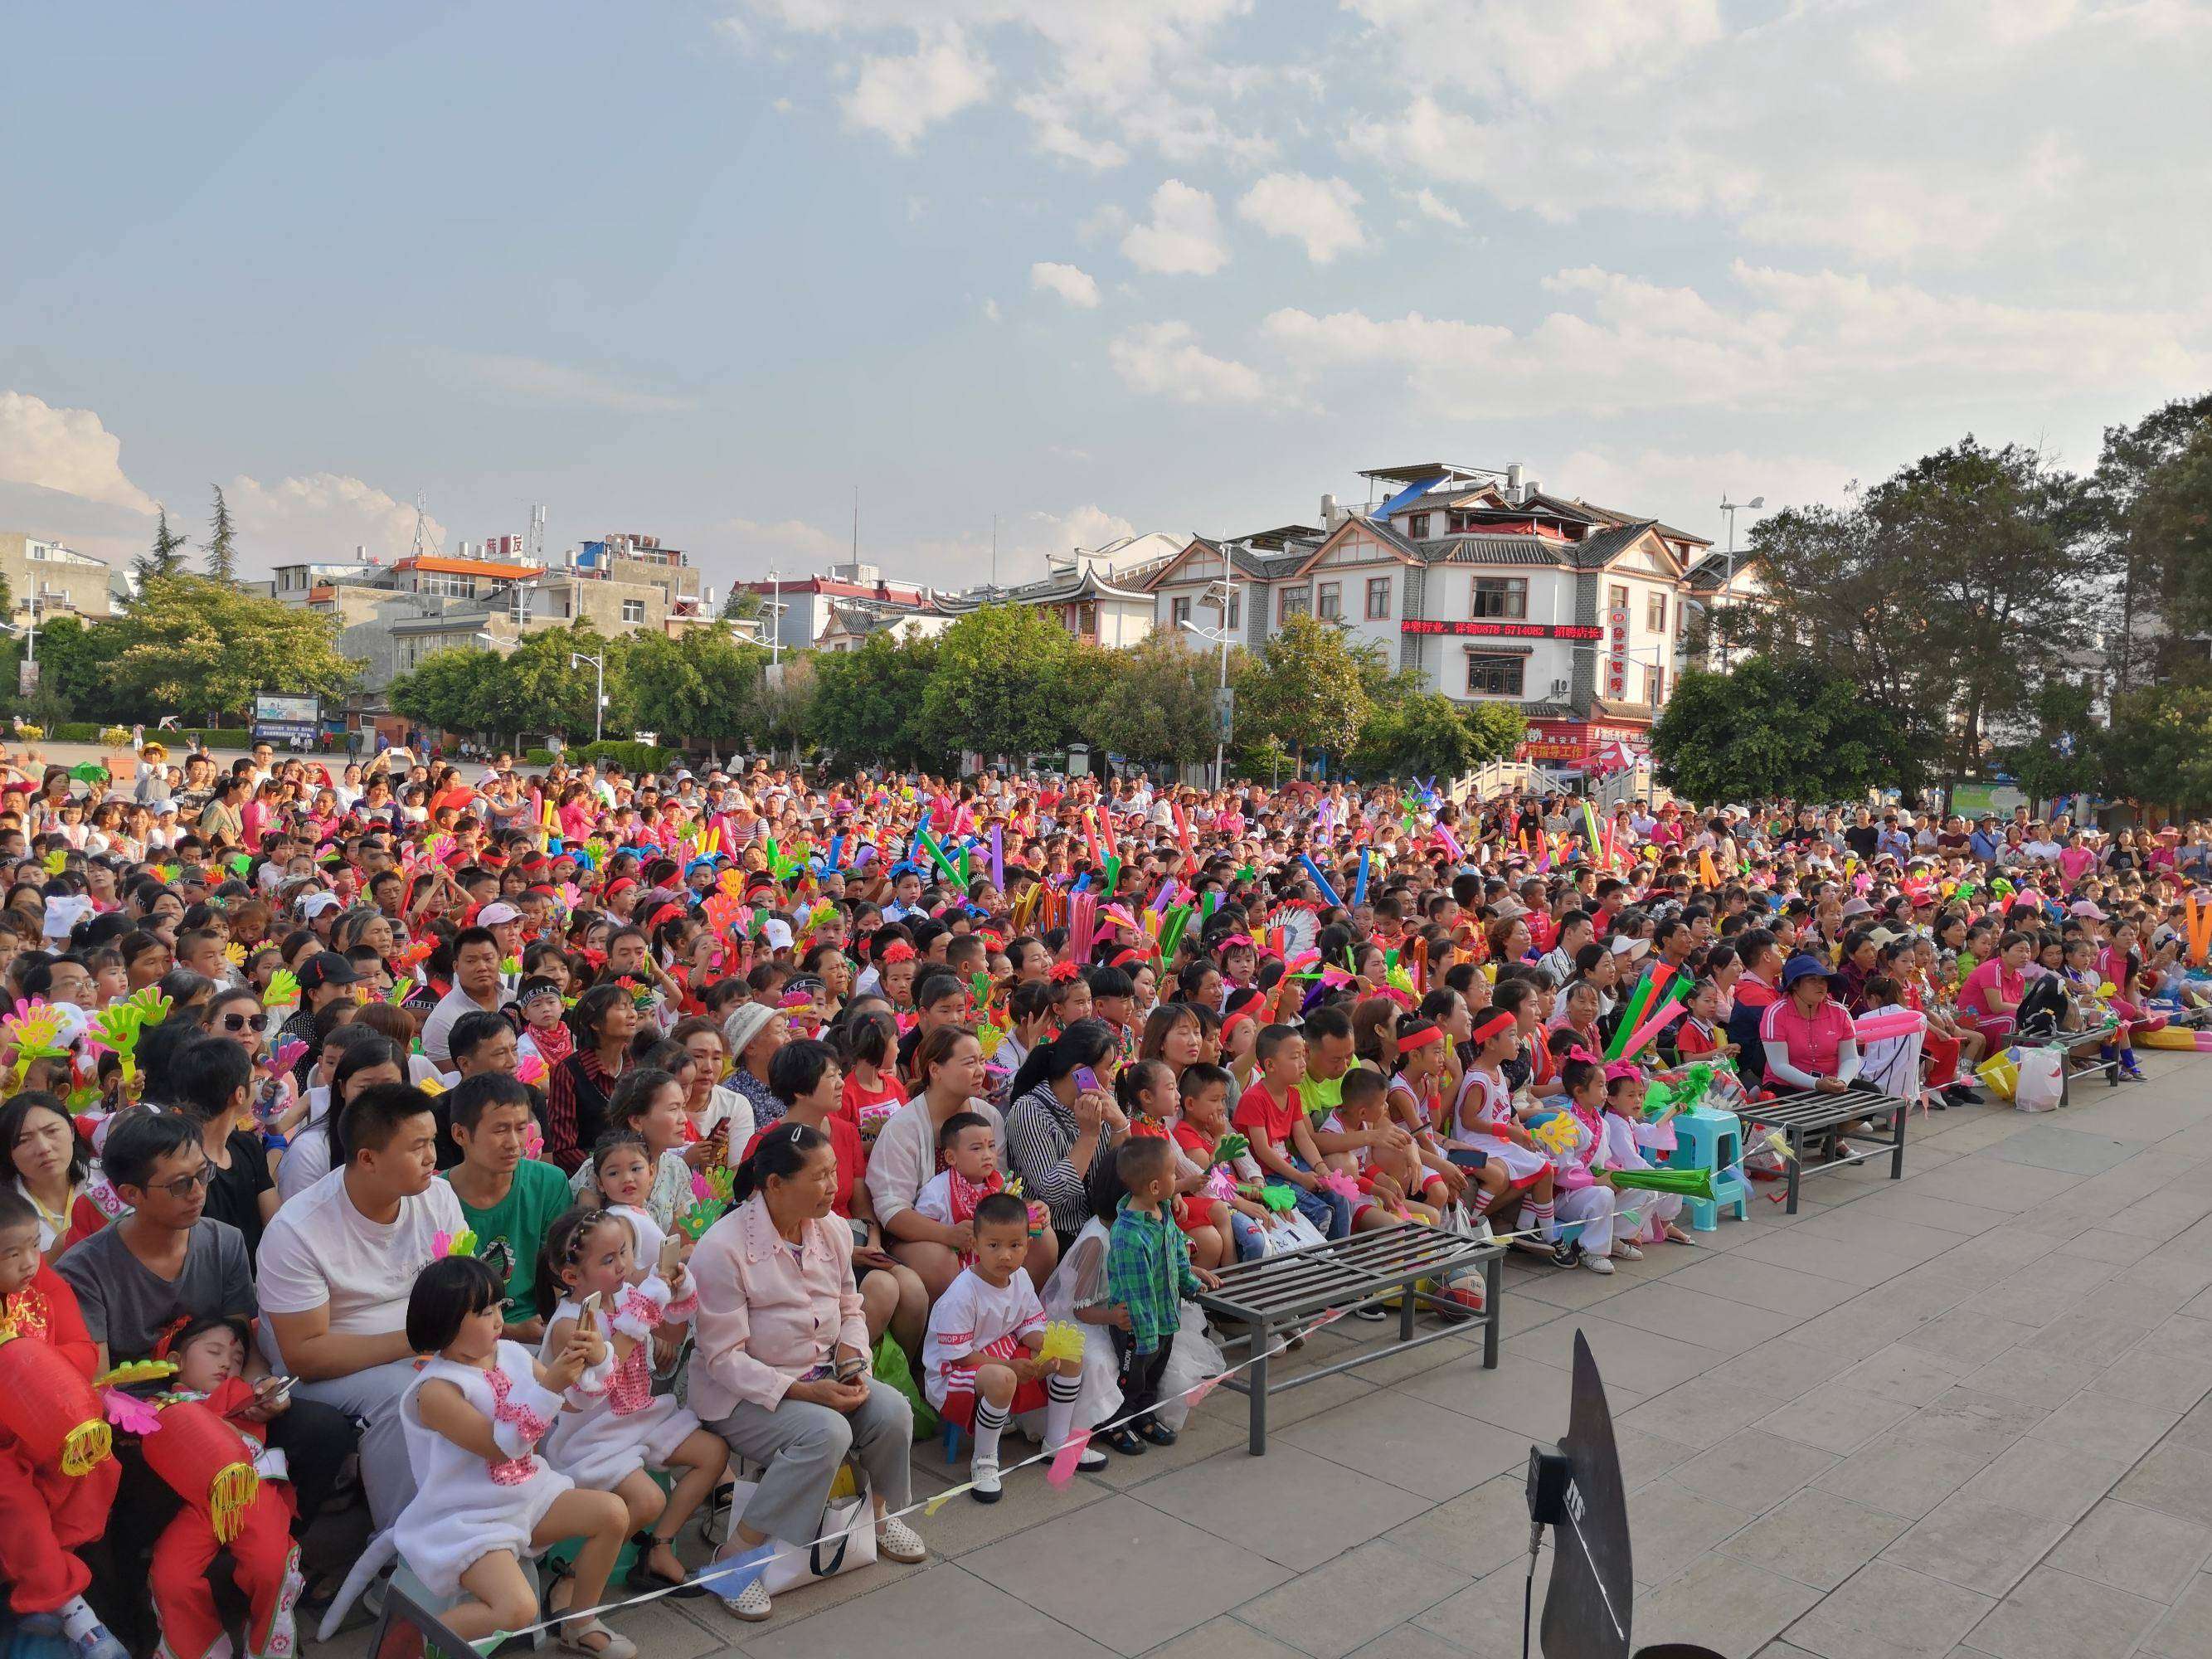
(338,1265)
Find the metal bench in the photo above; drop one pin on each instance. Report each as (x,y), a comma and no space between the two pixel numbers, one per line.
(1279,1292)
(1810,1115)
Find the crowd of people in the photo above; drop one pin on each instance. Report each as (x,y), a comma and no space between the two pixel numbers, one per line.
(513,1155)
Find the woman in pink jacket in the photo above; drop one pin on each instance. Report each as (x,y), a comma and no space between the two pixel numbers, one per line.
(781,1368)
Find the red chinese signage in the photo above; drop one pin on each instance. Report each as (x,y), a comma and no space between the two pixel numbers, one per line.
(1502,630)
(1574,743)
(1616,653)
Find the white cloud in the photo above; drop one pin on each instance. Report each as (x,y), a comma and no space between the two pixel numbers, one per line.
(1097,81)
(1322,213)
(514,378)
(991,312)
(902,97)
(1071,282)
(67,450)
(786,545)
(319,517)
(1433,206)
(1898,211)
(1787,340)
(1183,236)
(1164,359)
(1543,51)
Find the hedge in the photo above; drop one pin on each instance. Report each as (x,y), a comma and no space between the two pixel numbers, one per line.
(211,736)
(632,756)
(537,757)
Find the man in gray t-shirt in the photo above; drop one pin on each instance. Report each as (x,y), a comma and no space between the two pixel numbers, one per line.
(128,1307)
(165,1262)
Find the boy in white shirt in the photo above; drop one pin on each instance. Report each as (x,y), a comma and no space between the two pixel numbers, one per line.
(980,1360)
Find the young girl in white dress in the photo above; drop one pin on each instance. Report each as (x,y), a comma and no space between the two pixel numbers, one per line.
(483,1499)
(625,1429)
(1483,1120)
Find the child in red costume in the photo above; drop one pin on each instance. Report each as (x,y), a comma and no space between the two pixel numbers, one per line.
(211,1357)
(46,1513)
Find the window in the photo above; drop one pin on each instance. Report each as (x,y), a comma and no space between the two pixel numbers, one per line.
(1494,676)
(1378,598)
(1330,604)
(633,611)
(1295,601)
(1236,609)
(1654,613)
(1417,526)
(1179,612)
(1616,598)
(1656,682)
(1501,596)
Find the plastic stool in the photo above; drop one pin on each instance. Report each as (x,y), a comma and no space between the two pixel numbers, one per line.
(1709,1139)
(403,1578)
(951,1443)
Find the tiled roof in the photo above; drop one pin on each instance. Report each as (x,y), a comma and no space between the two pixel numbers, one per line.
(1496,549)
(1594,551)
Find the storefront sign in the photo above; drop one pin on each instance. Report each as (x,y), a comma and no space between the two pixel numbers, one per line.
(1502,630)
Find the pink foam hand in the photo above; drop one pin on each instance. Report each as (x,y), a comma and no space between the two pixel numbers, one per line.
(1065,1459)
(130,1414)
(530,1068)
(288,1055)
(1337,1182)
(533,1142)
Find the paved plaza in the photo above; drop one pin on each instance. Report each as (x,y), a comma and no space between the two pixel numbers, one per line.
(1962,1413)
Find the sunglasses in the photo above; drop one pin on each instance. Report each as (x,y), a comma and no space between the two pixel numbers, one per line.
(185,1185)
(245,1022)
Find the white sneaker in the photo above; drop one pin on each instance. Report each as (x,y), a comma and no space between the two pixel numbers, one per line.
(751,1604)
(984,1472)
(1089,1458)
(1597,1263)
(1628,1253)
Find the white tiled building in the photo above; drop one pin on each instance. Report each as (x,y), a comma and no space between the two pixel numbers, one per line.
(1489,587)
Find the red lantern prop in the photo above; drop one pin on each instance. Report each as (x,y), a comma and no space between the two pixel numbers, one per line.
(206,1462)
(48,1405)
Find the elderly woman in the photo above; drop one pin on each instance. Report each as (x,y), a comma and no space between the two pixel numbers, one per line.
(755,1031)
(781,1367)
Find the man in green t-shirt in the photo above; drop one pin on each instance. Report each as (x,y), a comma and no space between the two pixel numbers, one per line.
(507,1199)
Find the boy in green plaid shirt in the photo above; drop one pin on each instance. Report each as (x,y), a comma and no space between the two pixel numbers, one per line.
(1148,1274)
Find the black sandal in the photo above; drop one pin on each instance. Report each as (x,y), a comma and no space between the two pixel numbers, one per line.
(1158,1433)
(1124,1440)
(643,1575)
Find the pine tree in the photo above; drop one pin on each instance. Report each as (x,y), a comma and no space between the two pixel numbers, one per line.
(222,543)
(164,559)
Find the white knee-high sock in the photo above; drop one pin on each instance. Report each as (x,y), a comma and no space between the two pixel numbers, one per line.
(990,1423)
(1060,1392)
(1542,1218)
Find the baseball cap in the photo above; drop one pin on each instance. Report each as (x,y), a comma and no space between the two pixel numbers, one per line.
(1802,967)
(493,915)
(313,904)
(777,931)
(325,968)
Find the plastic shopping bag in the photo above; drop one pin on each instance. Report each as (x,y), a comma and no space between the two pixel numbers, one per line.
(2041,1079)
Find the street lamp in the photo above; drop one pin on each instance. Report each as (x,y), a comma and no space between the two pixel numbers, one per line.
(1221,636)
(1732,509)
(600,690)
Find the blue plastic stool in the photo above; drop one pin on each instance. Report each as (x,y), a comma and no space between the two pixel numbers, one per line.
(1708,1138)
(951,1443)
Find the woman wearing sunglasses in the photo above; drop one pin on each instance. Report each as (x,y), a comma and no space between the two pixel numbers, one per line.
(277,1107)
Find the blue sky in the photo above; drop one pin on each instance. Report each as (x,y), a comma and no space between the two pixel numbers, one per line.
(1159,264)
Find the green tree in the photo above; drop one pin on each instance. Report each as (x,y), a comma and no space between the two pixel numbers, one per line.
(536,689)
(2066,754)
(449,691)
(196,646)
(165,557)
(2160,748)
(1154,702)
(778,712)
(1946,595)
(222,543)
(2139,502)
(1428,735)
(694,688)
(1307,690)
(1778,727)
(1001,685)
(866,705)
(76,664)
(742,605)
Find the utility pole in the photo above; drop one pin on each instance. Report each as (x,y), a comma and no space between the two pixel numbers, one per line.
(599,691)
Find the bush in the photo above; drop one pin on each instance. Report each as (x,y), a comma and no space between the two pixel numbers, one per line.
(630,757)
(537,757)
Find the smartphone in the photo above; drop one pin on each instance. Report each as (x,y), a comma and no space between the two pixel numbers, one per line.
(590,1309)
(1087,1079)
(1465,1157)
(671,1253)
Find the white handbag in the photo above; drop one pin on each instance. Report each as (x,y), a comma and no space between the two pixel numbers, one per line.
(846,1540)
